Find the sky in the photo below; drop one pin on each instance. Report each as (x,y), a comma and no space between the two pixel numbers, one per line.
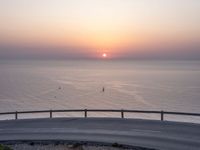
(123,29)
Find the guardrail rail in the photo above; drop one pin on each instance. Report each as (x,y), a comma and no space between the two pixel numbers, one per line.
(86,111)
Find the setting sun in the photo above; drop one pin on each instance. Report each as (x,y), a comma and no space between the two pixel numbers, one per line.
(104,55)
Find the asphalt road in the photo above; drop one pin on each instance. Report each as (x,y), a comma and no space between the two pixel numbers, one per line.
(146,133)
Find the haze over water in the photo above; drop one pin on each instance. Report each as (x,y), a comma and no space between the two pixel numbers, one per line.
(77,84)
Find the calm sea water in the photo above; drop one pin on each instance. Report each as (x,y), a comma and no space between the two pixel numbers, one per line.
(146,85)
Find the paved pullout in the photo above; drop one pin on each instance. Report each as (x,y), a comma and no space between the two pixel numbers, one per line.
(134,132)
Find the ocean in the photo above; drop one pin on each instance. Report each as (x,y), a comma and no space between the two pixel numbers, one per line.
(77,84)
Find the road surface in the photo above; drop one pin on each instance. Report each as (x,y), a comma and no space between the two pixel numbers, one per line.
(145,133)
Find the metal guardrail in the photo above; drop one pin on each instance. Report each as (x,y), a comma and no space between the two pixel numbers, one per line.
(86,111)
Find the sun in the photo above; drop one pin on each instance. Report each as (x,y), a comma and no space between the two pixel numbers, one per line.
(104,55)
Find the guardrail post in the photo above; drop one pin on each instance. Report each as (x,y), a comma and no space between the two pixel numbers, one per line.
(85,113)
(51,114)
(122,113)
(16,115)
(162,115)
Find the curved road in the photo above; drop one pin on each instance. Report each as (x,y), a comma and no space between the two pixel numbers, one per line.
(145,133)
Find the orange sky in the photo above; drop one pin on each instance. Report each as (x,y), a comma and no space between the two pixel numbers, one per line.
(92,27)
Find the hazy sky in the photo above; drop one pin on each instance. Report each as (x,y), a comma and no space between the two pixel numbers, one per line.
(87,28)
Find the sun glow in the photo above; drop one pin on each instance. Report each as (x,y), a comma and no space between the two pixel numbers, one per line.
(104,55)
